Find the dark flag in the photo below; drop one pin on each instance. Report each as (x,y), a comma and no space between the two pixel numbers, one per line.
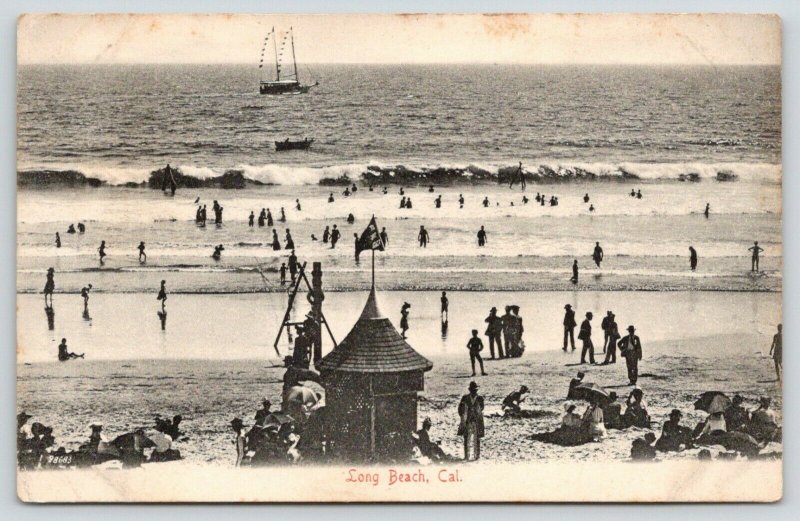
(370,239)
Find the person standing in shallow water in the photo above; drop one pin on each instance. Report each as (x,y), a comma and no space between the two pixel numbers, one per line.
(481,237)
(262,218)
(101,251)
(251,219)
(776,352)
(85,294)
(423,237)
(404,317)
(270,220)
(276,243)
(289,240)
(755,248)
(49,287)
(326,235)
(283,273)
(707,210)
(384,237)
(569,326)
(574,278)
(586,337)
(445,305)
(162,295)
(355,241)
(335,235)
(471,426)
(692,258)
(142,254)
(475,346)
(293,266)
(598,254)
(58,240)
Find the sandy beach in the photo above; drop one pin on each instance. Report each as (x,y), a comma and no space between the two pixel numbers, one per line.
(127,395)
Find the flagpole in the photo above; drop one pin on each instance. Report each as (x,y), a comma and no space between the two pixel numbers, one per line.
(373,269)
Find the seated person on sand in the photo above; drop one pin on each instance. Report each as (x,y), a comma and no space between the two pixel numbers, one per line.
(64,354)
(264,446)
(571,419)
(428,448)
(163,450)
(512,402)
(642,448)
(674,436)
(736,416)
(714,425)
(593,421)
(575,382)
(635,412)
(263,412)
(763,424)
(612,412)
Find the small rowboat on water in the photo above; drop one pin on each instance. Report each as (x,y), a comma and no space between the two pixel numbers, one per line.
(293,145)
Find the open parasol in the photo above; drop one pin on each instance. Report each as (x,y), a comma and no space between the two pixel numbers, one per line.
(712,402)
(591,392)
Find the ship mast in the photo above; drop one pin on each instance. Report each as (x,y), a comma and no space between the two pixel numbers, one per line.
(294,60)
(275,46)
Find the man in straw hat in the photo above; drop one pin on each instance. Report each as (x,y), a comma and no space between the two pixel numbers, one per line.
(471,427)
(631,348)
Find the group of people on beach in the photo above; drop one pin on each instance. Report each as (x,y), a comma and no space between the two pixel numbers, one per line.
(630,346)
(36,445)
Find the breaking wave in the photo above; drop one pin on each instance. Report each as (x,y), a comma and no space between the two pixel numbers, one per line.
(537,172)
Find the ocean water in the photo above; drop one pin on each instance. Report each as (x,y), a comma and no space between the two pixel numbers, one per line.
(202,326)
(119,123)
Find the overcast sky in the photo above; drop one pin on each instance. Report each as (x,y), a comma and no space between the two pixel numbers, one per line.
(595,39)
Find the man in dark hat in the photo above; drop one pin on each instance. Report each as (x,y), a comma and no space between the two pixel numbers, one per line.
(586,337)
(493,331)
(673,434)
(630,347)
(513,401)
(569,326)
(470,410)
(605,325)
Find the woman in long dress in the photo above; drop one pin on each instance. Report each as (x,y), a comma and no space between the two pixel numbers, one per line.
(276,243)
(471,428)
(49,287)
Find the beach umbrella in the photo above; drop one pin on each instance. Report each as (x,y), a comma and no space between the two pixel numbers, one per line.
(301,395)
(712,402)
(590,391)
(277,419)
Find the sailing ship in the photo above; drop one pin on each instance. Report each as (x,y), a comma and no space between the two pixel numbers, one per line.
(283,83)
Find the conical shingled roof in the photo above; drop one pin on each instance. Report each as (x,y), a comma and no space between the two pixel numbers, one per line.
(373,346)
